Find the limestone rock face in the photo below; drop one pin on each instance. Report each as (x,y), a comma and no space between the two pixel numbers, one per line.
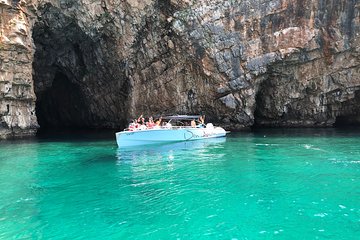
(277,63)
(17,98)
(100,63)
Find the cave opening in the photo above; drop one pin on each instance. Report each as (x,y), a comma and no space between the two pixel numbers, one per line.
(263,104)
(77,79)
(61,105)
(349,112)
(58,71)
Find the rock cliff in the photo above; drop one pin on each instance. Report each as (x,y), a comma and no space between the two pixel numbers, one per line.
(241,62)
(17,98)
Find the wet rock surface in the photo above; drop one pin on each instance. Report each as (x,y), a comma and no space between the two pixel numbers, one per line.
(242,63)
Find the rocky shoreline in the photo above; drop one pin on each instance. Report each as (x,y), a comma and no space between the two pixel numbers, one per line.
(97,64)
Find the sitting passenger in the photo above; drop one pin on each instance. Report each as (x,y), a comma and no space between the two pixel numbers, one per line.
(131,127)
(201,122)
(139,118)
(193,123)
(151,123)
(158,122)
(202,119)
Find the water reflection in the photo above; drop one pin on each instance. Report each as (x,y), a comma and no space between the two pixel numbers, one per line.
(168,151)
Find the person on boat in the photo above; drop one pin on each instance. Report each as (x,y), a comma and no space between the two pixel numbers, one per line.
(158,122)
(135,124)
(193,123)
(139,118)
(150,124)
(201,122)
(131,126)
(142,127)
(141,122)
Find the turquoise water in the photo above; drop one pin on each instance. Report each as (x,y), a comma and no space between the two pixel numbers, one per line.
(279,184)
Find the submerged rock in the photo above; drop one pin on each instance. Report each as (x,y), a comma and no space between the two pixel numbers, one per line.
(100,63)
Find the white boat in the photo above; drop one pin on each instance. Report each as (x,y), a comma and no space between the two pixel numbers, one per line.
(168,133)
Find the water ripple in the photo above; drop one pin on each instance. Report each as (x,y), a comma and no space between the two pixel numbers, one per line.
(247,187)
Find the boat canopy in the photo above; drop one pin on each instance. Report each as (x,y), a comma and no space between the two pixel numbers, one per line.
(182,117)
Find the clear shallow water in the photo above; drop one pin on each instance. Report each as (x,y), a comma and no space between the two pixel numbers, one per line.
(279,184)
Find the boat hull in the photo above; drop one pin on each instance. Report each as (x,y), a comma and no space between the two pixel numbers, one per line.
(154,136)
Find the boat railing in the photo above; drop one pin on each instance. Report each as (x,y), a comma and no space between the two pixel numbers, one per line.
(162,127)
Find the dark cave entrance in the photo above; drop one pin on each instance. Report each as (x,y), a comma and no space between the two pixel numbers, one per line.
(349,112)
(77,83)
(61,105)
(58,71)
(264,104)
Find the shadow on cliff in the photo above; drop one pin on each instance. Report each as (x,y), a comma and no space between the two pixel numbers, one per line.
(77,82)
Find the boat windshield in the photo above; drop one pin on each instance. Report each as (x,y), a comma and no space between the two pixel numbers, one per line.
(182,117)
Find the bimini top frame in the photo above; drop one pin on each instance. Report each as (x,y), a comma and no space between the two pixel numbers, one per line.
(182,117)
